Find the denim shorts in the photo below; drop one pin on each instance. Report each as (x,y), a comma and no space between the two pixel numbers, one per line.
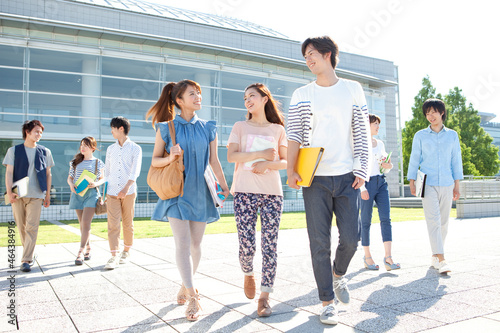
(88,200)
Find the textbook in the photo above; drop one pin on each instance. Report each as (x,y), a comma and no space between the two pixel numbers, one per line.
(307,164)
(256,143)
(105,191)
(214,187)
(420,184)
(82,184)
(20,188)
(385,160)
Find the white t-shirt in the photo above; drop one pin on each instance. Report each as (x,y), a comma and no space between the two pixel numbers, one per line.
(378,153)
(332,128)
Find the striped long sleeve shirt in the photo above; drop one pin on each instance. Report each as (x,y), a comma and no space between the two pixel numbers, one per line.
(335,118)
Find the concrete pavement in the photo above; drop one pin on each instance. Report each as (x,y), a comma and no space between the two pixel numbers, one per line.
(140,296)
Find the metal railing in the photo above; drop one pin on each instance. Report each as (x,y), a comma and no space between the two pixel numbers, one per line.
(145,204)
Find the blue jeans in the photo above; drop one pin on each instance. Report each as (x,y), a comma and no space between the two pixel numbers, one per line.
(328,195)
(378,192)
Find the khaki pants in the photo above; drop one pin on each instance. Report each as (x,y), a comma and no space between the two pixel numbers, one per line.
(437,206)
(120,209)
(27,215)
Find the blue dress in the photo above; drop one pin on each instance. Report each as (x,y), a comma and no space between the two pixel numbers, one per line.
(196,204)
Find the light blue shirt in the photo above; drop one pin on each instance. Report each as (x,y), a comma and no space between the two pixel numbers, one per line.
(438,155)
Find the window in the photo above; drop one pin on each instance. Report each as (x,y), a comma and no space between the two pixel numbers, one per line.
(131,68)
(63,61)
(11,78)
(11,56)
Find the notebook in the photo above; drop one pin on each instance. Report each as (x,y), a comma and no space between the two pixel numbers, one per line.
(214,187)
(20,188)
(82,184)
(420,184)
(257,143)
(307,164)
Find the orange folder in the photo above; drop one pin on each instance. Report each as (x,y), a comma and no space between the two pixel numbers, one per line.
(307,164)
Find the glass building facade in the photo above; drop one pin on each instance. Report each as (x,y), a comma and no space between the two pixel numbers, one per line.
(75,95)
(76,76)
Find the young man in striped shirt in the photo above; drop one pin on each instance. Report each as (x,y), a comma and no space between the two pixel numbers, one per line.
(123,166)
(330,113)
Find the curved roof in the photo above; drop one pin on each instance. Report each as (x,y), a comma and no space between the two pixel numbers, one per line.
(155,9)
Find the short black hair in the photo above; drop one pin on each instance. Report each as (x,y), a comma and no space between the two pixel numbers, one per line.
(323,45)
(120,121)
(437,105)
(374,118)
(29,125)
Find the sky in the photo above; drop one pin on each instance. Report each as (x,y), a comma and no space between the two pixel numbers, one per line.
(456,43)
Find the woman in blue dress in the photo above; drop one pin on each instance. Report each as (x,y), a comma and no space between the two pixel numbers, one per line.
(188,214)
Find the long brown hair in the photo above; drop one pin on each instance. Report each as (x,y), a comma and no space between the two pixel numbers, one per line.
(89,142)
(163,109)
(272,108)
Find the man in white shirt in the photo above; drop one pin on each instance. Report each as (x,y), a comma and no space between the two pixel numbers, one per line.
(123,166)
(330,113)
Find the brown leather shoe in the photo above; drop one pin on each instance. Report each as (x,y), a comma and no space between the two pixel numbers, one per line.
(263,308)
(249,286)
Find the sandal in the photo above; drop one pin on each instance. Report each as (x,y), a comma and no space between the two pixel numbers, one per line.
(193,309)
(87,255)
(79,259)
(182,296)
(390,267)
(373,267)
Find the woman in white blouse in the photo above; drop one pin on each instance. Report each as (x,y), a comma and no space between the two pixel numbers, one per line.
(377,190)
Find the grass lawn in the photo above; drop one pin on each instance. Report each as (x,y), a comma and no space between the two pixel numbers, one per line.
(48,233)
(145,228)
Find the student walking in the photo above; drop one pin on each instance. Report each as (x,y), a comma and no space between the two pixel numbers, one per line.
(376,190)
(188,214)
(29,159)
(330,113)
(123,166)
(258,147)
(436,151)
(85,205)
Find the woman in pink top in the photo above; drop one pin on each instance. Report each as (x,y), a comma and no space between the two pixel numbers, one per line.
(258,147)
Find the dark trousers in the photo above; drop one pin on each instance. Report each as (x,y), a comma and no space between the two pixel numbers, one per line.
(328,195)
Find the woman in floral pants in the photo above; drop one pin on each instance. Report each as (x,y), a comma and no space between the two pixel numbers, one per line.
(258,147)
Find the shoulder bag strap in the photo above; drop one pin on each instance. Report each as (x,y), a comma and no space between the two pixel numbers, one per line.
(97,188)
(171,128)
(96,169)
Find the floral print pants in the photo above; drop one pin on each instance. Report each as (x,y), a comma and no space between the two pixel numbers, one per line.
(246,206)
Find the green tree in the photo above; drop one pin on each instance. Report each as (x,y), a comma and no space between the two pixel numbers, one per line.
(464,119)
(4,145)
(418,121)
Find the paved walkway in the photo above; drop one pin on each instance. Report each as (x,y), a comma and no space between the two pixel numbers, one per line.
(140,296)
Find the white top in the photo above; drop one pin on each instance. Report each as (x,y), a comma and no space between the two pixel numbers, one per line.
(378,155)
(335,118)
(123,163)
(332,129)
